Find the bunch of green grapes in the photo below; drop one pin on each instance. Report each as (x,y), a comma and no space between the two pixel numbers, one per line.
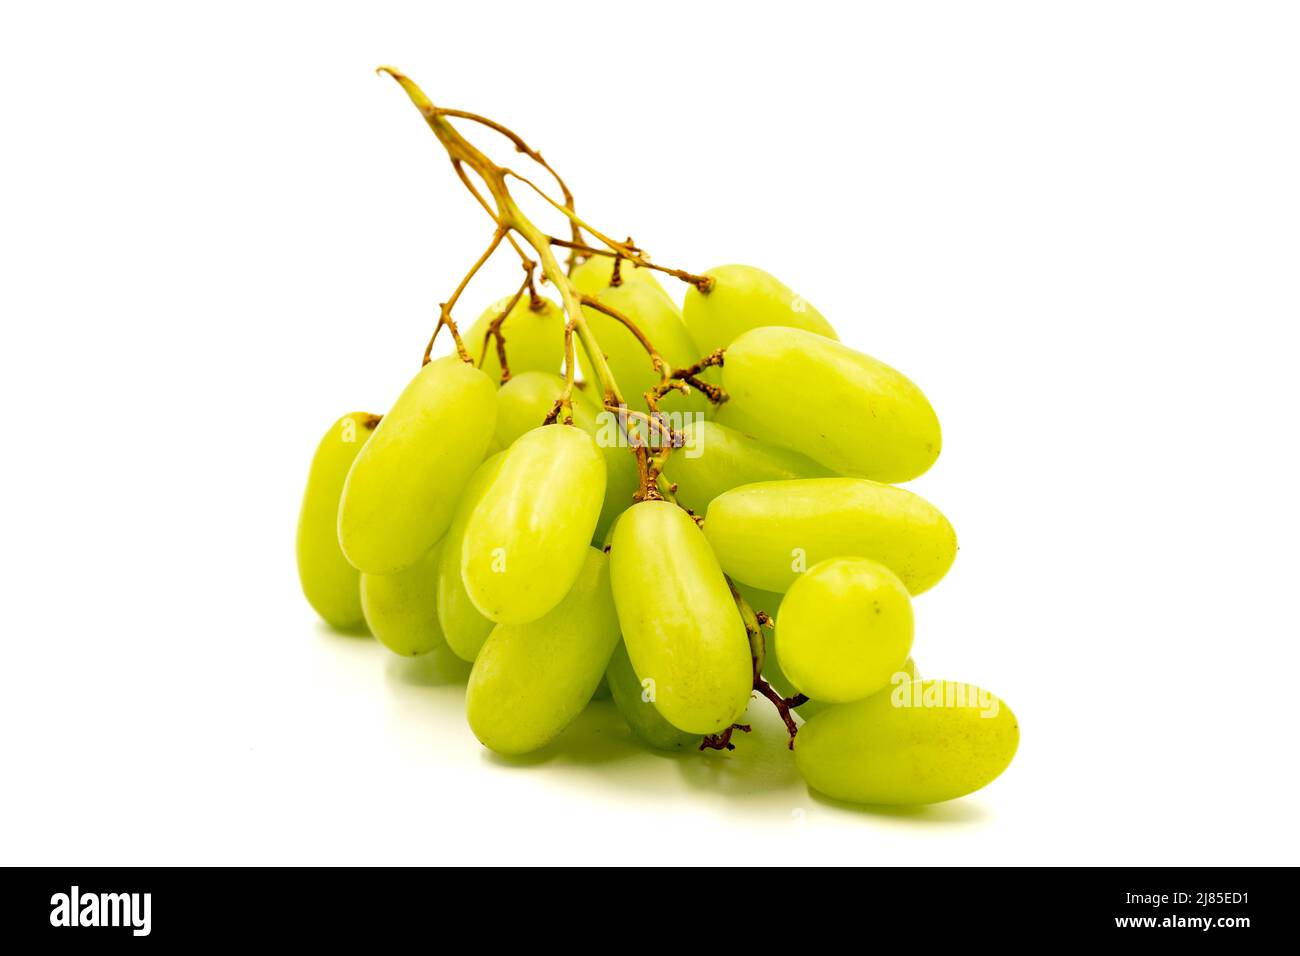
(762,550)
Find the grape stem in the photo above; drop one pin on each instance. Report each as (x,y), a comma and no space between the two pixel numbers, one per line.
(722,741)
(754,622)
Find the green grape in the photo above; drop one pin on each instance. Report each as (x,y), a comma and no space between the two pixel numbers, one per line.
(526,541)
(744,298)
(654,313)
(530,680)
(846,628)
(680,624)
(917,742)
(641,715)
(717,458)
(855,415)
(767,534)
(463,627)
(331,585)
(404,485)
(591,277)
(527,399)
(534,340)
(401,608)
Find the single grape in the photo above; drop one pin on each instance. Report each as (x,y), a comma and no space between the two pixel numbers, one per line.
(681,626)
(767,534)
(645,721)
(401,608)
(591,276)
(530,680)
(405,482)
(526,541)
(331,585)
(717,458)
(526,399)
(744,298)
(656,315)
(913,743)
(855,415)
(534,338)
(846,629)
(463,626)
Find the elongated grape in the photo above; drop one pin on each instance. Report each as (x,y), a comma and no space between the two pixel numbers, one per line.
(657,316)
(591,277)
(635,702)
(846,629)
(681,626)
(767,534)
(404,485)
(526,399)
(744,298)
(917,742)
(463,626)
(852,413)
(530,680)
(401,608)
(330,584)
(525,543)
(717,458)
(534,340)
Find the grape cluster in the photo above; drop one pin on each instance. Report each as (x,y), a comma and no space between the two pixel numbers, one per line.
(730,533)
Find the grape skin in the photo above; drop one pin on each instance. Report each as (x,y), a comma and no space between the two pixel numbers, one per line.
(401,608)
(464,628)
(874,751)
(525,541)
(744,298)
(331,585)
(403,487)
(766,533)
(530,680)
(534,339)
(641,716)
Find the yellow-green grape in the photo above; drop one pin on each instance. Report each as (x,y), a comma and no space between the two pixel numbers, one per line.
(846,629)
(917,742)
(656,315)
(331,585)
(744,298)
(632,700)
(530,680)
(681,626)
(716,458)
(463,626)
(401,608)
(534,339)
(526,399)
(855,415)
(592,275)
(405,482)
(767,534)
(526,541)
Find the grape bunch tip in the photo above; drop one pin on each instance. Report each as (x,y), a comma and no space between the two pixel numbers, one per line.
(687,510)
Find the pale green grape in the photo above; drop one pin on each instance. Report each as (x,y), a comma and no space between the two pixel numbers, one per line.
(717,458)
(855,415)
(527,399)
(846,628)
(464,628)
(526,541)
(401,608)
(917,742)
(655,314)
(592,276)
(331,585)
(534,340)
(744,298)
(404,485)
(530,680)
(767,534)
(641,715)
(681,626)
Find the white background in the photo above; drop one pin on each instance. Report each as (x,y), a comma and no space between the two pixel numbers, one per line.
(1077,226)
